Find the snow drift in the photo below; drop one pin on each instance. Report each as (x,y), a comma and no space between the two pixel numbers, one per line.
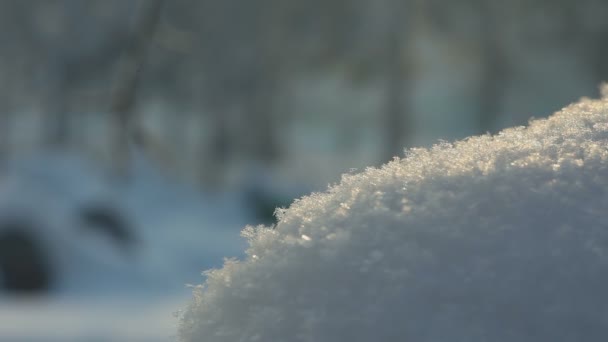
(493,238)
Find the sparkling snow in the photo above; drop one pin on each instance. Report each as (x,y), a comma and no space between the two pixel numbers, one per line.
(493,238)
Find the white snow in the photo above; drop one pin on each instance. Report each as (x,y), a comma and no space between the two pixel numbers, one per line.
(69,319)
(493,238)
(102,293)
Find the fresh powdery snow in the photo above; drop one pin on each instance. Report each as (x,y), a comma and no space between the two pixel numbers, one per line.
(493,238)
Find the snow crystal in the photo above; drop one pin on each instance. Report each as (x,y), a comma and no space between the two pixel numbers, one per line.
(493,238)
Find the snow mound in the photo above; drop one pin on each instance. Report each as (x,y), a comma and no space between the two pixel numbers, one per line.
(493,238)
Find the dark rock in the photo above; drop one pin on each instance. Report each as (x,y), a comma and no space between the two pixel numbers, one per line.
(109,221)
(23,261)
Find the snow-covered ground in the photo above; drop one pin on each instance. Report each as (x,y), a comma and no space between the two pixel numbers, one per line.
(83,319)
(492,238)
(102,293)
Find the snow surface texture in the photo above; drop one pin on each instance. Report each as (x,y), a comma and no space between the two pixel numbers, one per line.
(493,238)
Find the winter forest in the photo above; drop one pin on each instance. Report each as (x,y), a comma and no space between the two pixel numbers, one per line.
(143,142)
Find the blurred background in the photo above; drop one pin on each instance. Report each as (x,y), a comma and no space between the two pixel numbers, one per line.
(137,138)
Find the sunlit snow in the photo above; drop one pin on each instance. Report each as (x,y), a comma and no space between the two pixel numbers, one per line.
(493,238)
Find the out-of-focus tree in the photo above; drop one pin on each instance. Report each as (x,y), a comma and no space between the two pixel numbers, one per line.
(585,28)
(399,26)
(239,82)
(480,24)
(127,80)
(230,64)
(494,65)
(249,48)
(63,46)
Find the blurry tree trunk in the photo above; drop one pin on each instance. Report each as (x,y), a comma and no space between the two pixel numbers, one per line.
(57,103)
(220,148)
(262,123)
(60,84)
(215,88)
(123,97)
(599,56)
(6,117)
(395,119)
(5,121)
(493,68)
(260,100)
(576,34)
